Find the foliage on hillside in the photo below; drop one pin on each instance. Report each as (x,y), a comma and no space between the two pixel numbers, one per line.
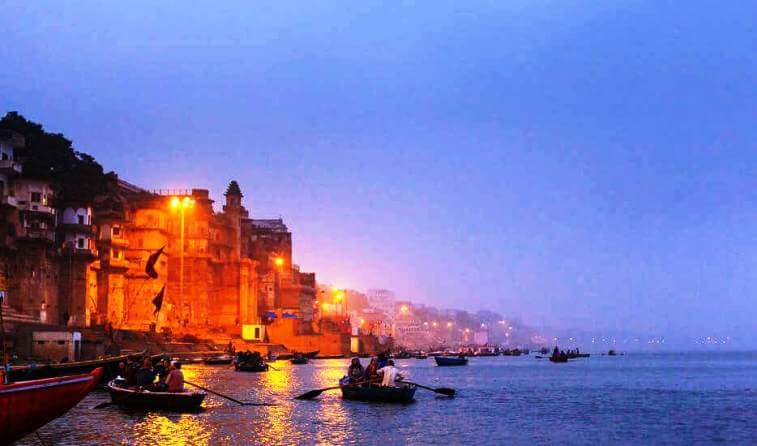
(76,175)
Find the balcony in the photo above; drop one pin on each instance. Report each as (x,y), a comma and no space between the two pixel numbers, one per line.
(10,167)
(28,206)
(45,235)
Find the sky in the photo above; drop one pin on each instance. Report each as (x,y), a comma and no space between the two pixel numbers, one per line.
(574,164)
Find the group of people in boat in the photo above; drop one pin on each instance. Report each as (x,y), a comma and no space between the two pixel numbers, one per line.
(565,355)
(380,368)
(143,374)
(248,357)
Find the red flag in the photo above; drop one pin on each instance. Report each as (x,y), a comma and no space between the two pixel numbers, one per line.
(150,266)
(158,300)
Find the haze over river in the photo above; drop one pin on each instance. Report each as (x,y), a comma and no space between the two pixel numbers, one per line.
(638,398)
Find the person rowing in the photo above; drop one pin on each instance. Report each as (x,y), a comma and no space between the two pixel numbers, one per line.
(390,374)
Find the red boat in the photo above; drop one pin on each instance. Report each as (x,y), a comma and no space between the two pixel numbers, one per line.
(26,406)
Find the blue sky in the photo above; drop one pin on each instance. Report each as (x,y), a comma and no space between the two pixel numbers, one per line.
(583,164)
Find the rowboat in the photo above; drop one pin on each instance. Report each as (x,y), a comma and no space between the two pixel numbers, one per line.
(28,405)
(378,394)
(109,365)
(186,401)
(251,367)
(218,360)
(448,361)
(559,358)
(299,360)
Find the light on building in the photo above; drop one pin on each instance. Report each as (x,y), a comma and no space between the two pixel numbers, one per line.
(278,261)
(404,309)
(449,324)
(434,324)
(175,202)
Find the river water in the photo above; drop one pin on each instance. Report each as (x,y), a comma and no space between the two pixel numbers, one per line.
(691,398)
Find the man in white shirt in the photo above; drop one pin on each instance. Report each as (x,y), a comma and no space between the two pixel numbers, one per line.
(389,374)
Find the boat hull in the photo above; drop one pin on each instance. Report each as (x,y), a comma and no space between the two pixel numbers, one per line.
(218,361)
(444,361)
(299,361)
(182,402)
(380,394)
(26,406)
(254,368)
(109,365)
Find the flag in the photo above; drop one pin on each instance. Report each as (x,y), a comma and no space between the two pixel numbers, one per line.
(150,266)
(158,300)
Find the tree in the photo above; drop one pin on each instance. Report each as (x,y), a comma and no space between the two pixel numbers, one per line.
(77,175)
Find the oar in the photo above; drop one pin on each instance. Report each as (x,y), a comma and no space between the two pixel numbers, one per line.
(241,403)
(274,368)
(441,390)
(314,393)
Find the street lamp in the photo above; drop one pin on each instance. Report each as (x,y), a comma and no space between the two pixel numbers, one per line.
(181,204)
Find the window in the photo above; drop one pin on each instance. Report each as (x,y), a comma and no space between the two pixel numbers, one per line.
(116,254)
(80,243)
(80,219)
(116,231)
(36,197)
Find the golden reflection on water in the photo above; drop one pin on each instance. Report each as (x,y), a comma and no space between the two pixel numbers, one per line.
(182,429)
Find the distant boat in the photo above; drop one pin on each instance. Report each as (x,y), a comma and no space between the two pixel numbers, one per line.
(402,394)
(26,406)
(218,360)
(559,358)
(299,360)
(421,356)
(611,353)
(443,361)
(180,401)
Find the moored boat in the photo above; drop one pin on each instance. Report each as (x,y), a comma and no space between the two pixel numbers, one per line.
(299,360)
(28,405)
(179,401)
(559,358)
(402,394)
(449,361)
(40,371)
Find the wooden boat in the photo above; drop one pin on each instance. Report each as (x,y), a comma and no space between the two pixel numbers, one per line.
(218,360)
(28,405)
(180,401)
(559,358)
(109,366)
(448,361)
(309,355)
(578,355)
(378,394)
(611,353)
(251,367)
(421,356)
(329,357)
(299,360)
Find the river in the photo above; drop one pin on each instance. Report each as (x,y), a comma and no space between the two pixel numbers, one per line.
(637,398)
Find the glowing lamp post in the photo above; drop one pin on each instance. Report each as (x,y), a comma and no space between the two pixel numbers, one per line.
(181,205)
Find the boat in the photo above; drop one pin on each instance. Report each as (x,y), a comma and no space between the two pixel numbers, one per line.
(515,352)
(186,401)
(421,356)
(251,367)
(329,357)
(403,394)
(218,360)
(309,355)
(40,371)
(28,405)
(559,358)
(448,361)
(299,360)
(578,355)
(611,353)
(544,350)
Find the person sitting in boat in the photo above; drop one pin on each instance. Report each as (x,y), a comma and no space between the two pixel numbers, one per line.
(389,374)
(383,357)
(356,371)
(371,372)
(145,375)
(175,380)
